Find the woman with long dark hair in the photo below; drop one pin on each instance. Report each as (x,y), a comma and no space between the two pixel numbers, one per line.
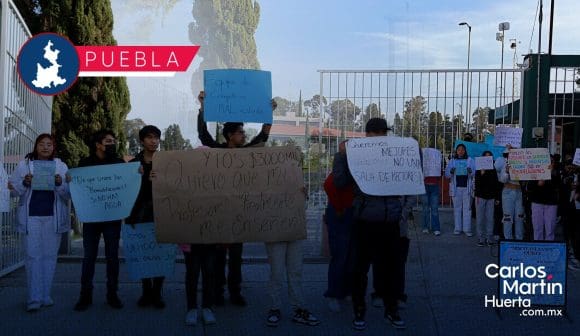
(460,172)
(42,215)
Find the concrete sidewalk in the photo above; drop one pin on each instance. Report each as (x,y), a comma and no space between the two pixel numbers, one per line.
(446,285)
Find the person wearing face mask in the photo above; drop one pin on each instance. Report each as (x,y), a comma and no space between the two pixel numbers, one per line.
(103,151)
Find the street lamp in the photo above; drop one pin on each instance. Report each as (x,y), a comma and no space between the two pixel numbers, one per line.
(500,37)
(468,73)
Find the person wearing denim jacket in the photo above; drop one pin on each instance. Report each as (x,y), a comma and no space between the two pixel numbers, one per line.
(460,189)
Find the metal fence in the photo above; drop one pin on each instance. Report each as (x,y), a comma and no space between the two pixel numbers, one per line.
(564,109)
(433,106)
(25,115)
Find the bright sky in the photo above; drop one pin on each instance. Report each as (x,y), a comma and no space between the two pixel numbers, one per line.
(295,38)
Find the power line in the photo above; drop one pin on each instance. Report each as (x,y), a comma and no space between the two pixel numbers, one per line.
(534,26)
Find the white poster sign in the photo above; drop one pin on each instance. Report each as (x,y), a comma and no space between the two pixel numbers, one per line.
(508,136)
(484,162)
(383,166)
(431,162)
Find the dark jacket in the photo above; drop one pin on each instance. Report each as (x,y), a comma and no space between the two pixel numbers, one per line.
(207,140)
(367,208)
(547,194)
(142,211)
(487,185)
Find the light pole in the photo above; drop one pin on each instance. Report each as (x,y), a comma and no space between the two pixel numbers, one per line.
(468,73)
(501,37)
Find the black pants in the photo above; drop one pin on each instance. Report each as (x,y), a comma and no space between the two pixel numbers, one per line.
(200,258)
(111,232)
(400,271)
(376,243)
(234,278)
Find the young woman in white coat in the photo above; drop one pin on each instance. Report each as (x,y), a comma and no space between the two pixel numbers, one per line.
(42,216)
(460,171)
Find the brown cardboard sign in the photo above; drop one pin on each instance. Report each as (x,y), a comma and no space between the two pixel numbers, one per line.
(229,195)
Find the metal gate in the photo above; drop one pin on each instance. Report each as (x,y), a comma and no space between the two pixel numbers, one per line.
(24,116)
(433,106)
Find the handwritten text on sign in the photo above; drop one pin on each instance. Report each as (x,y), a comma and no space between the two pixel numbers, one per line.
(384,166)
(145,257)
(44,172)
(238,95)
(508,136)
(229,195)
(529,164)
(106,192)
(431,162)
(542,272)
(484,162)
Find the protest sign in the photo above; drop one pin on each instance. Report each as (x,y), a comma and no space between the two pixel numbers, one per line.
(484,162)
(145,257)
(577,157)
(540,275)
(508,136)
(489,139)
(529,164)
(238,95)
(475,149)
(43,174)
(106,192)
(460,167)
(431,162)
(383,166)
(229,195)
(4,192)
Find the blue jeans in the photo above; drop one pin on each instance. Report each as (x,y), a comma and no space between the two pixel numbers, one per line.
(484,218)
(341,247)
(513,213)
(111,232)
(430,203)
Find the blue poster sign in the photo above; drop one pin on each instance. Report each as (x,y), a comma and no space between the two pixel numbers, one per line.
(145,257)
(106,192)
(43,174)
(238,95)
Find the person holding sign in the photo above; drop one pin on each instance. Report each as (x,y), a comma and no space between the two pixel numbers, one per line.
(42,217)
(487,194)
(430,200)
(460,171)
(235,137)
(103,151)
(512,203)
(142,211)
(544,196)
(376,234)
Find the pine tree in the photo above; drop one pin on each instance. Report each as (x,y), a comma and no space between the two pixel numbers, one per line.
(92,103)
(173,139)
(225,31)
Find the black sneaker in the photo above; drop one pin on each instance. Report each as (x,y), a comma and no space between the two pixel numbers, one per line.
(238,300)
(84,302)
(303,316)
(396,320)
(157,301)
(114,301)
(219,300)
(359,322)
(144,300)
(273,318)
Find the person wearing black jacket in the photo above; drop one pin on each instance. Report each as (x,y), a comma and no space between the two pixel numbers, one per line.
(142,211)
(487,195)
(103,151)
(235,137)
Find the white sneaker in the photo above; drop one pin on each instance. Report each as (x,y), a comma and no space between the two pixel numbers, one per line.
(333,305)
(47,302)
(33,306)
(437,233)
(207,316)
(425,231)
(191,317)
(469,234)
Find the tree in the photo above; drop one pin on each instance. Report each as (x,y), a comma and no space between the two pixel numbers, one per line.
(173,140)
(313,105)
(415,120)
(344,113)
(225,31)
(480,123)
(92,103)
(371,111)
(132,128)
(284,106)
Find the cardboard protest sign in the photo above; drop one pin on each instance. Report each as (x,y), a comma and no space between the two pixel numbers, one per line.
(431,162)
(508,136)
(238,95)
(229,195)
(484,162)
(460,167)
(529,164)
(145,257)
(105,193)
(577,157)
(541,277)
(383,166)
(43,175)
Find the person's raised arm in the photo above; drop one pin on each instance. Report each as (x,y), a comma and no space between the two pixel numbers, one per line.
(265,132)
